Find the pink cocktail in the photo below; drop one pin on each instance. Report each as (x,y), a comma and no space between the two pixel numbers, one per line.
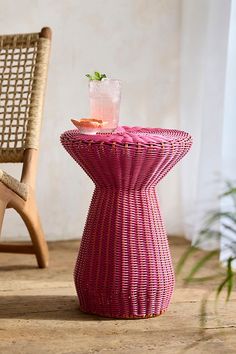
(104,98)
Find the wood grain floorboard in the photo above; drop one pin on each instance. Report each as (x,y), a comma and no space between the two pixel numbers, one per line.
(39,313)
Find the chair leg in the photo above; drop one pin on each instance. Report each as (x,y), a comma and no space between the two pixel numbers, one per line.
(4,200)
(3,205)
(33,224)
(29,213)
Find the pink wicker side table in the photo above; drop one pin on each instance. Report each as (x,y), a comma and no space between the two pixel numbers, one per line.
(124,267)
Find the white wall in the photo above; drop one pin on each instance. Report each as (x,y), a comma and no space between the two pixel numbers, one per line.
(136,41)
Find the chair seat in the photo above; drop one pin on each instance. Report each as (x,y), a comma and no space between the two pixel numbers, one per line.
(12,183)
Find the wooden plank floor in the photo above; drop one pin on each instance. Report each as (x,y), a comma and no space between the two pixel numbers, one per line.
(39,314)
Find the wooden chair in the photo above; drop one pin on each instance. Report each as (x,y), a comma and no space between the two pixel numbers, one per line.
(23,74)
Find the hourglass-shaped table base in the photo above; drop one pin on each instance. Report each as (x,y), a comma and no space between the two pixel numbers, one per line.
(124,267)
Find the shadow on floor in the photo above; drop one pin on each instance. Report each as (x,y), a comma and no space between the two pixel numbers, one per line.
(44,307)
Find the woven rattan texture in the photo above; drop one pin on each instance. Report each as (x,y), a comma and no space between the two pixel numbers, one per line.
(23,71)
(19,188)
(124,267)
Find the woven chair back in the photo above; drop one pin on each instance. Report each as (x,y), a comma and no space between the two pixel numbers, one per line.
(23,72)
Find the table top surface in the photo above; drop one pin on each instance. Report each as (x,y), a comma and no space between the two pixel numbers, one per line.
(130,135)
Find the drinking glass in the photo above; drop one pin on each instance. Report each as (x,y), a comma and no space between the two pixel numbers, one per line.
(104,99)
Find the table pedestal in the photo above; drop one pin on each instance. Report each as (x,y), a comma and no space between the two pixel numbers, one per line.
(124,266)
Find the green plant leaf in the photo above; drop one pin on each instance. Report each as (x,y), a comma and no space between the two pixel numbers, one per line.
(203,312)
(97,75)
(225,221)
(200,264)
(229,192)
(230,228)
(231,278)
(184,258)
(231,189)
(202,279)
(206,234)
(218,216)
(228,281)
(221,286)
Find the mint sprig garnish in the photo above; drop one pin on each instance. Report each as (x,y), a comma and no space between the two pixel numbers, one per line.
(96,76)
